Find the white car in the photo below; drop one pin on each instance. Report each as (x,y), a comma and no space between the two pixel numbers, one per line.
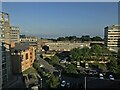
(101,76)
(63,83)
(41,65)
(111,77)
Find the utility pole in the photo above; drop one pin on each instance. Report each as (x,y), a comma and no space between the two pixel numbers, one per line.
(85,83)
(41,83)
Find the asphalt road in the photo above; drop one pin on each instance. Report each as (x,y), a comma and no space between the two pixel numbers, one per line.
(45,64)
(105,83)
(92,82)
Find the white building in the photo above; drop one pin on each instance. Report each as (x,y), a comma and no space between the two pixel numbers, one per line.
(112,37)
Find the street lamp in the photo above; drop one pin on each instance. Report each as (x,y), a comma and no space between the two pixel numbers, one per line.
(60,73)
(85,83)
(41,82)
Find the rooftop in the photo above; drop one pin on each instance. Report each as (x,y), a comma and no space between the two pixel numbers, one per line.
(21,46)
(113,27)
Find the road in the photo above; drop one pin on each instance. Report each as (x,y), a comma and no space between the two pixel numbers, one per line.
(92,82)
(105,83)
(45,63)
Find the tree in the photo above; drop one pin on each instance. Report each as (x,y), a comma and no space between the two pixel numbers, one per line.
(85,53)
(96,38)
(46,48)
(118,57)
(53,81)
(60,39)
(113,67)
(71,69)
(85,38)
(96,51)
(75,54)
(41,56)
(54,60)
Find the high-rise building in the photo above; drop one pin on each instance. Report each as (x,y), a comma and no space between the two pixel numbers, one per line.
(15,34)
(112,36)
(5,61)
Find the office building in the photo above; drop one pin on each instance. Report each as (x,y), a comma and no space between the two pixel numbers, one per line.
(112,36)
(15,34)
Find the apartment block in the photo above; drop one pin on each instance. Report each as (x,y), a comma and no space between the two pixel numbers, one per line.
(5,59)
(112,36)
(23,57)
(15,34)
(65,46)
(29,39)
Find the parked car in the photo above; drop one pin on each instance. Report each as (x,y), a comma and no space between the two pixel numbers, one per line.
(101,76)
(41,65)
(68,85)
(78,64)
(63,83)
(111,77)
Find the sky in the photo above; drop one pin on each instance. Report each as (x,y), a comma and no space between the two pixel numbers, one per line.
(56,19)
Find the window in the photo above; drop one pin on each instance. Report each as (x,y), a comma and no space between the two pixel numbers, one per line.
(4,72)
(3,66)
(26,56)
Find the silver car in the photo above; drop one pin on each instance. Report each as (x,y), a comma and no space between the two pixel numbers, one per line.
(63,83)
(111,77)
(101,76)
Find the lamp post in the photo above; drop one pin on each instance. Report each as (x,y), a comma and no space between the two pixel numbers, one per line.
(60,73)
(85,83)
(41,82)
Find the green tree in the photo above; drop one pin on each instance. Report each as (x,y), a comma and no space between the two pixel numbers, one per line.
(85,38)
(71,69)
(118,57)
(54,60)
(75,54)
(53,82)
(46,48)
(96,51)
(85,54)
(96,38)
(112,66)
(60,39)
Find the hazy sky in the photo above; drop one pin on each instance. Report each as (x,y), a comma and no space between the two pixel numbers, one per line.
(62,19)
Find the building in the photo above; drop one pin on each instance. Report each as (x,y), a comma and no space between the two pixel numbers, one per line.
(23,57)
(29,39)
(15,34)
(65,46)
(5,59)
(112,36)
